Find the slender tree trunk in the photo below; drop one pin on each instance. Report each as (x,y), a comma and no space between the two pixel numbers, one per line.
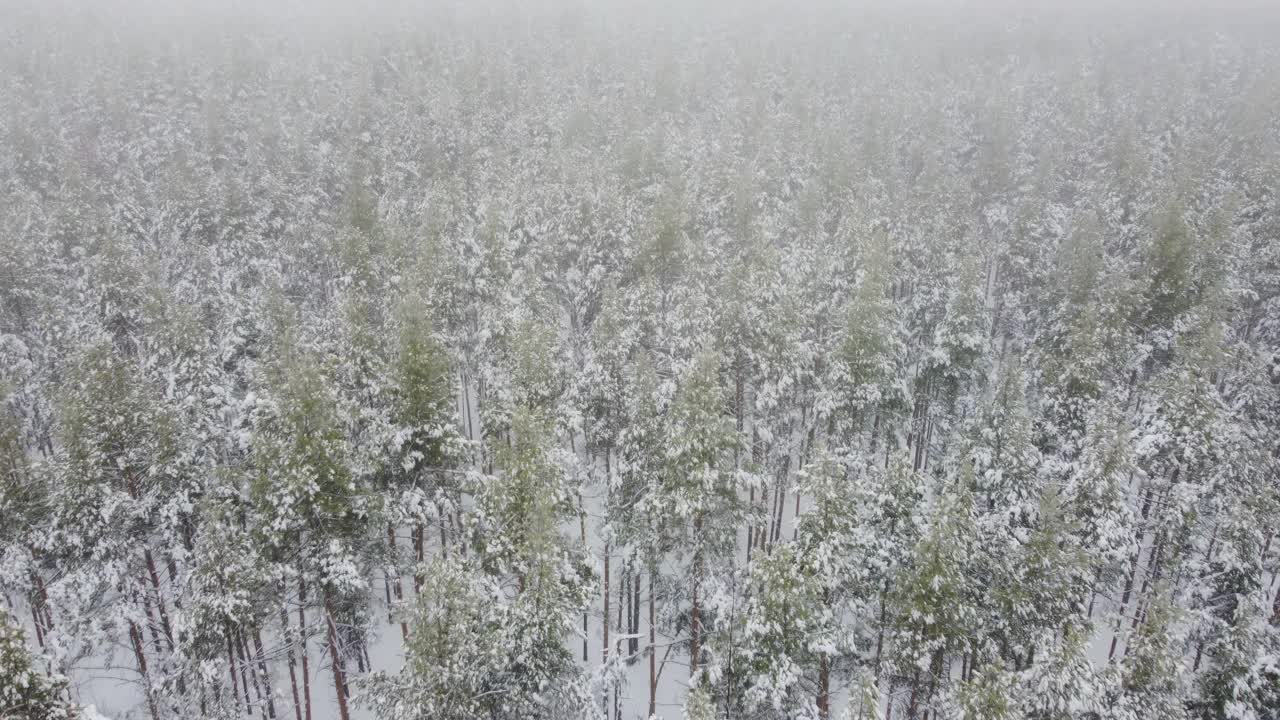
(231,665)
(445,518)
(767,502)
(1275,609)
(1133,570)
(795,531)
(782,503)
(462,538)
(824,688)
(884,613)
(936,668)
(42,609)
(242,649)
(604,623)
(262,670)
(35,615)
(928,440)
(634,643)
(386,589)
(653,640)
(695,611)
(418,542)
(915,694)
(155,585)
(397,586)
(140,655)
(466,404)
(151,620)
(361,655)
(737,460)
(1154,557)
(339,681)
(623,592)
(801,461)
(302,647)
(1093,596)
(293,662)
(624,598)
(582,529)
(244,679)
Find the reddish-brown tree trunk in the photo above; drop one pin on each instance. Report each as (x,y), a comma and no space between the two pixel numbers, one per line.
(262,670)
(231,665)
(141,656)
(242,649)
(155,585)
(293,662)
(41,608)
(339,681)
(824,688)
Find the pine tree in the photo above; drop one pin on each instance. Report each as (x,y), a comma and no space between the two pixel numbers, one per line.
(27,693)
(696,504)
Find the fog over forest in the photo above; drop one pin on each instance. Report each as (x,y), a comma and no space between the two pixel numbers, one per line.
(576,360)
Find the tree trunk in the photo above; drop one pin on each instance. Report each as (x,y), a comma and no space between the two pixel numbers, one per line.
(634,643)
(695,611)
(582,529)
(302,647)
(418,532)
(884,612)
(604,623)
(1154,557)
(397,586)
(444,532)
(623,593)
(780,496)
(293,662)
(915,694)
(242,648)
(151,621)
(262,670)
(240,663)
(39,624)
(824,688)
(231,665)
(339,681)
(155,585)
(386,589)
(653,641)
(1133,571)
(140,655)
(40,607)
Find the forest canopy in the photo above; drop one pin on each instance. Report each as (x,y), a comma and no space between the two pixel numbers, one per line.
(610,360)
